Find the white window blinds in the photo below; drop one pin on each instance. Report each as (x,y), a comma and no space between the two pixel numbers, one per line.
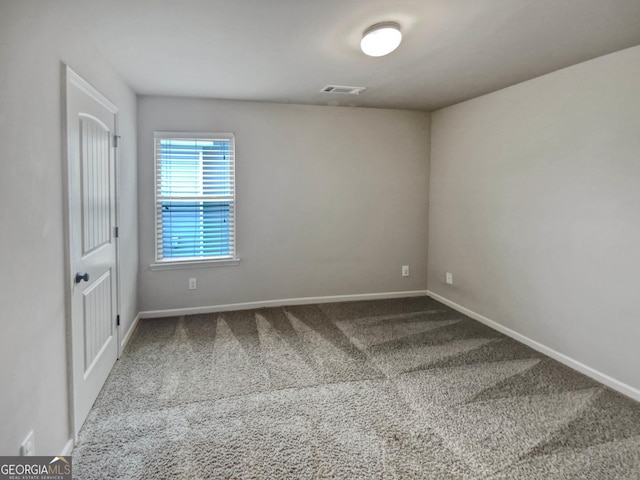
(195,196)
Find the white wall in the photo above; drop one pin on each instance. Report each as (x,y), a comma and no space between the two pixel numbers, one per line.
(331,201)
(535,209)
(35,39)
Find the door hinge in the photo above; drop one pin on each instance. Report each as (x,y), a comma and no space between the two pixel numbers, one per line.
(116,141)
(116,232)
(118,320)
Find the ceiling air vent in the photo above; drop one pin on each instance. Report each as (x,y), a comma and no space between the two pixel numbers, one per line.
(343,89)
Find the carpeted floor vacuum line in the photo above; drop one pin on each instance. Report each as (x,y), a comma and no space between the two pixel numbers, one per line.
(402,388)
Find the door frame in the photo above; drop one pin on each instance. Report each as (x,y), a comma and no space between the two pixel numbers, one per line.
(70,78)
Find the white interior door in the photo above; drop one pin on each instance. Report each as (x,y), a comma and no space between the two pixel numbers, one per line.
(91,127)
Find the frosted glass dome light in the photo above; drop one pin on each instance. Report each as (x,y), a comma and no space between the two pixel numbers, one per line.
(381,39)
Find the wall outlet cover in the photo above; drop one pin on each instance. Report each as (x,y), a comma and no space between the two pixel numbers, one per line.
(28,446)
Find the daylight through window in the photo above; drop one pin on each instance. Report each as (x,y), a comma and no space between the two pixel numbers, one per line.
(195,196)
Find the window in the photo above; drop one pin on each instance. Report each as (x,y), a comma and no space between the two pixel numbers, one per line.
(195,196)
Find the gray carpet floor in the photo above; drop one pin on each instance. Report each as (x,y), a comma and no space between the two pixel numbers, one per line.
(402,388)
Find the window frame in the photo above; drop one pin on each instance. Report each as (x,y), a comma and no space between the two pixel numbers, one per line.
(191,262)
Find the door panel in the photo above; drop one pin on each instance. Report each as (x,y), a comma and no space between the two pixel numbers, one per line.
(91,126)
(95,140)
(98,324)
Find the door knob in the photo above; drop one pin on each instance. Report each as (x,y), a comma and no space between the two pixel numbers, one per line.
(80,277)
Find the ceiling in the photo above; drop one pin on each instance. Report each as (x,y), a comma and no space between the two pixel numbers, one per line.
(287,50)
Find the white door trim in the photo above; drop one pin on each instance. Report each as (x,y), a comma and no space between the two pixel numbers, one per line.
(71,78)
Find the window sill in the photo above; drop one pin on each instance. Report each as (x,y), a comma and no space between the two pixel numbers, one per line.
(178,265)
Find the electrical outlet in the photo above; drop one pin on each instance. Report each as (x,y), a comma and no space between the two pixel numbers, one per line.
(449,278)
(193,284)
(28,447)
(405,270)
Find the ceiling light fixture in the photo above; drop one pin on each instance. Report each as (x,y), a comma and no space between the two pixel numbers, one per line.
(381,39)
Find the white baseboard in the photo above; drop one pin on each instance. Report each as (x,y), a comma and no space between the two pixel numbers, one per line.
(129,333)
(174,312)
(617,385)
(68,448)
